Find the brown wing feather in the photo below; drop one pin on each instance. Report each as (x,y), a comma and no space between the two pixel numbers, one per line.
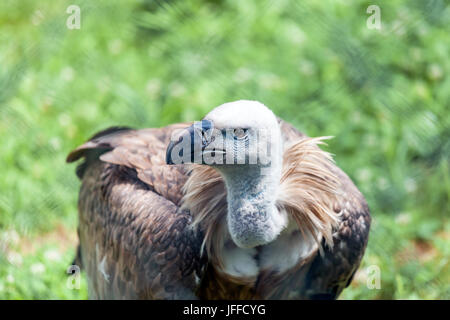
(134,238)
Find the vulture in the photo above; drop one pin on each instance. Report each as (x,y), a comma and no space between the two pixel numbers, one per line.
(239,205)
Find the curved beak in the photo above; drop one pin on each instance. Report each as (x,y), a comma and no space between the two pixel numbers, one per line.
(187,146)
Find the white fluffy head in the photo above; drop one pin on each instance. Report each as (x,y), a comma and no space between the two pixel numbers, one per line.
(243,114)
(261,132)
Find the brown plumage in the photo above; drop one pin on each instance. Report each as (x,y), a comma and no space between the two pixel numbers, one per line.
(148,230)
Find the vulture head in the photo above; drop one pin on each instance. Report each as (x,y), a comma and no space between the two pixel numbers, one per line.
(242,141)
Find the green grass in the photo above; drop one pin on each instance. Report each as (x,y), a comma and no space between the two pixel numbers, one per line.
(384,95)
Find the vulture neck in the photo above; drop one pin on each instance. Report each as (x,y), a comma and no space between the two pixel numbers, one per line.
(252,216)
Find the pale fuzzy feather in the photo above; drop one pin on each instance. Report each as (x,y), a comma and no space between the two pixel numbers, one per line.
(287,250)
(308,191)
(240,262)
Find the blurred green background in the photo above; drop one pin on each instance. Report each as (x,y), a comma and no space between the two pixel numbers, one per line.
(384,95)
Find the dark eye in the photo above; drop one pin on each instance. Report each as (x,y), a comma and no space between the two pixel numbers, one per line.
(240,133)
